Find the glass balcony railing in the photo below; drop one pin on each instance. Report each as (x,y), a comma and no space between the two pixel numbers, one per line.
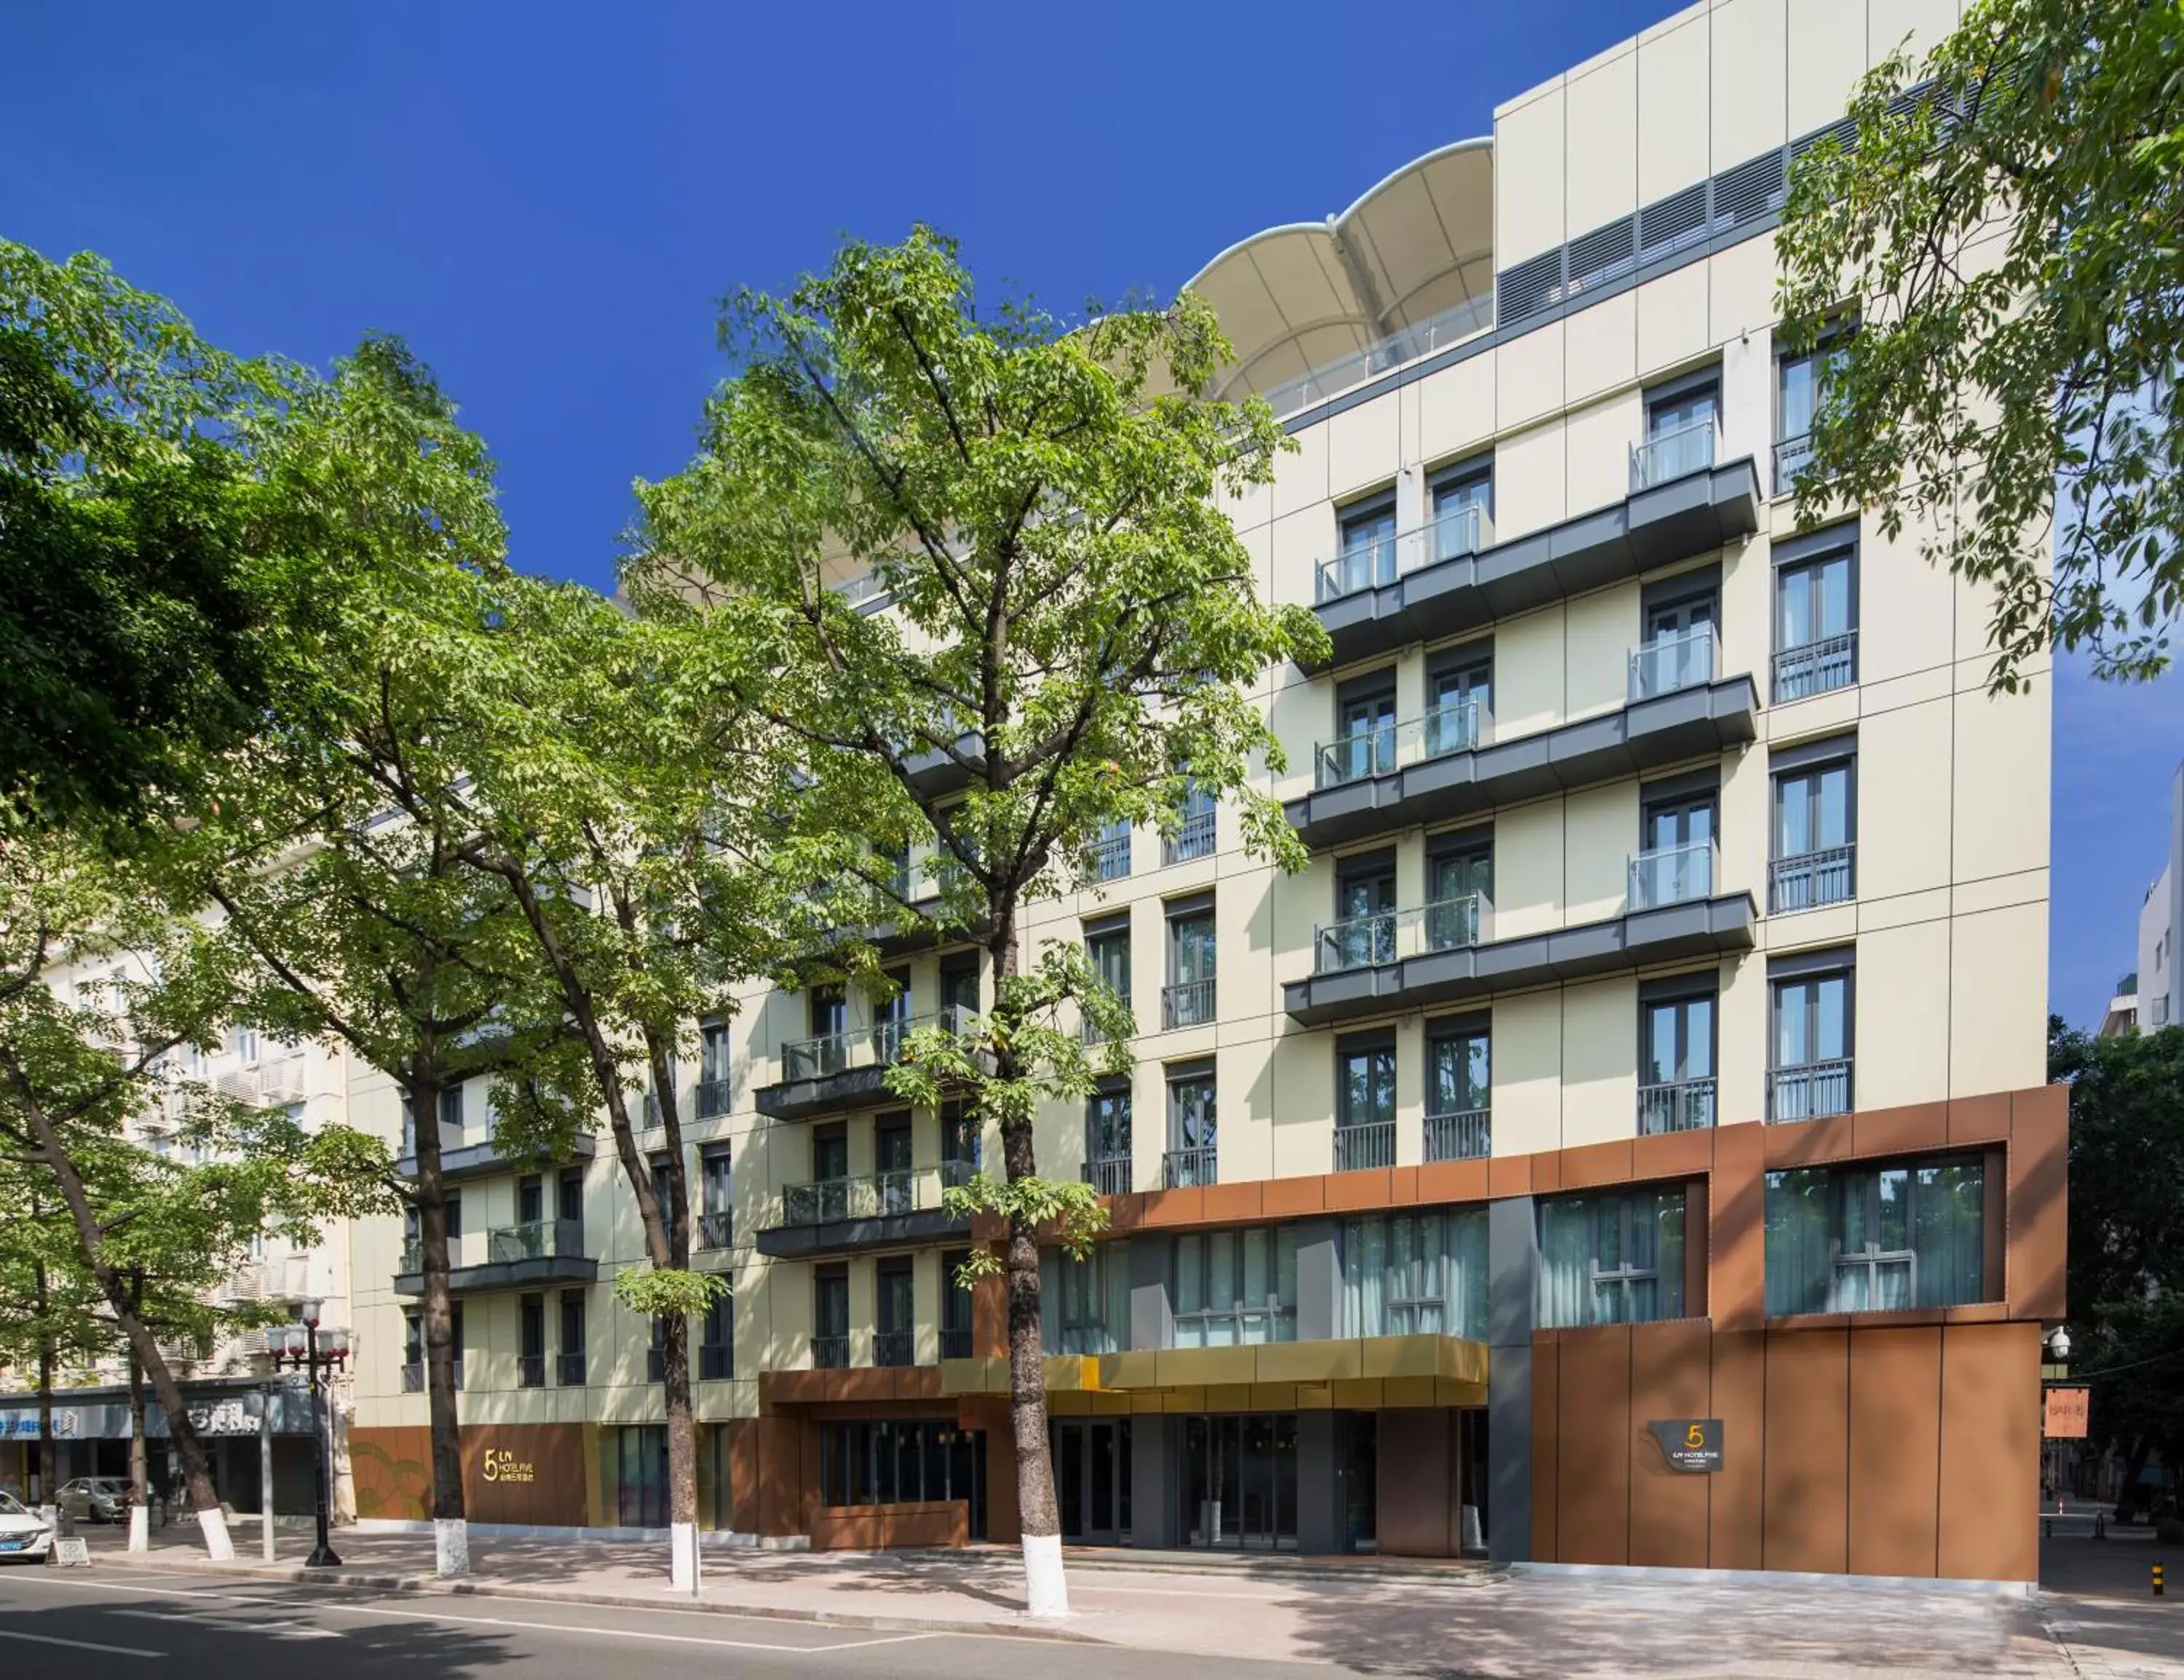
(535,1239)
(1459,727)
(1364,1145)
(1680,1105)
(1468,530)
(1450,325)
(865,586)
(879,1045)
(1687,660)
(1810,880)
(873,1195)
(1811,1091)
(1390,936)
(1461,1134)
(1818,667)
(1188,1169)
(1669,455)
(1672,875)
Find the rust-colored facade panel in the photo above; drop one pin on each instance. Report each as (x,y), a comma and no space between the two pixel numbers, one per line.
(937,1522)
(1004,1524)
(1546,1459)
(1411,1490)
(780,1454)
(524,1474)
(1980,1120)
(1294,1198)
(1176,1207)
(1805,1143)
(1900,1132)
(1895,1450)
(1736,1229)
(1233,1204)
(1735,1493)
(1592,1494)
(1990,1467)
(1672,1155)
(1671,1376)
(1403,1187)
(1807,1424)
(742,1504)
(1509,1175)
(391,1469)
(1547,1172)
(990,1316)
(1698,1246)
(1592,1164)
(1463,1180)
(2039,1210)
(1347,1191)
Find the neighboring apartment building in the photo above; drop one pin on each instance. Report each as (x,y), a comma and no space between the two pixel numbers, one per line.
(2155,998)
(1627,1142)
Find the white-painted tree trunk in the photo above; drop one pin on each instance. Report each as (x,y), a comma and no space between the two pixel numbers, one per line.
(451,1545)
(683,1556)
(140,1528)
(213,1525)
(1045,1591)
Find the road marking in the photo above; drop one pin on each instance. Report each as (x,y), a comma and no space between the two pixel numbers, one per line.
(78,1645)
(279,1630)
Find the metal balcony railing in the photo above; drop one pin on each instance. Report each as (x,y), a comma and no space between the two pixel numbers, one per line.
(879,1045)
(1450,325)
(531,1370)
(1187,1169)
(1365,1143)
(1188,1002)
(571,1372)
(537,1239)
(1109,1175)
(830,1353)
(865,586)
(1681,1105)
(716,1230)
(1461,1134)
(1809,879)
(1195,839)
(1390,936)
(655,1365)
(1688,660)
(874,1195)
(1459,727)
(715,1096)
(413,1379)
(1669,455)
(1791,454)
(1110,856)
(413,1255)
(1672,875)
(1468,530)
(893,1349)
(956,1341)
(1811,1091)
(1817,667)
(1088,1029)
(717,1362)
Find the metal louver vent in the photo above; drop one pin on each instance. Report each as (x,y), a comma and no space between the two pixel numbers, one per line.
(1604,254)
(1844,131)
(1530,286)
(1673,222)
(1748,192)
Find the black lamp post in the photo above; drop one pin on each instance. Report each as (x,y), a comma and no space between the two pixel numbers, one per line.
(302,1347)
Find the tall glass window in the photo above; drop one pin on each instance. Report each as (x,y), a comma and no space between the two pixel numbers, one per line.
(1813,861)
(1107,1125)
(1365,1087)
(1815,624)
(1811,1053)
(1109,952)
(1676,1081)
(1872,1239)
(1235,1286)
(1416,1275)
(1191,961)
(1614,1259)
(1085,1305)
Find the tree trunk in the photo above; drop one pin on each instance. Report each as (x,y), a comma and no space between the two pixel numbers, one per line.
(44,1494)
(140,1514)
(2134,1466)
(451,1543)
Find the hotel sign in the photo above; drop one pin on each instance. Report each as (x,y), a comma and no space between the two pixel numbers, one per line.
(1691,1445)
(501,1465)
(2065,1419)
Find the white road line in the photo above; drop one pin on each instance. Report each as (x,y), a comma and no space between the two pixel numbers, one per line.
(281,1630)
(78,1645)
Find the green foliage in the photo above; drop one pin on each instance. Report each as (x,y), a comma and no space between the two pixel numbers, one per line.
(1067,1208)
(662,1292)
(2009,243)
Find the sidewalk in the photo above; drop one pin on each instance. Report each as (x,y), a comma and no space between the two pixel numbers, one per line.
(1398,1617)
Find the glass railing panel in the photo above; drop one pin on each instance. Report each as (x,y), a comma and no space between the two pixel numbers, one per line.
(1668,663)
(1669,455)
(1672,875)
(1386,937)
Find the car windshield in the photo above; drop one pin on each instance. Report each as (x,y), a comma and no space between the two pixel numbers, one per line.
(10,1505)
(106,1484)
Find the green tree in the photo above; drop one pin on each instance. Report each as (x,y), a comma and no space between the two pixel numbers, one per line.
(144,615)
(1071,636)
(2003,223)
(49,1303)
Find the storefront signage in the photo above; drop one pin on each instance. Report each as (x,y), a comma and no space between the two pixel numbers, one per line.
(501,1465)
(2066,1415)
(1691,1445)
(241,1414)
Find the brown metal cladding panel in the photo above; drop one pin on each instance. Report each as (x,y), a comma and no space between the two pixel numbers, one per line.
(1509,1175)
(743,1474)
(1900,1132)
(2039,1208)
(1412,1483)
(1736,1229)
(1734,1492)
(1003,1525)
(860,1384)
(1596,1164)
(1980,1120)
(1176,1207)
(1895,1450)
(1670,1377)
(1697,1238)
(1592,1470)
(990,1316)
(1403,1185)
(808,1475)
(1990,1475)
(1810,1141)
(1289,1197)
(1359,1190)
(1546,1367)
(1805,1519)
(1125,1213)
(391,1469)
(1463,1180)
(1672,1155)
(1233,1204)
(780,1459)
(1547,1172)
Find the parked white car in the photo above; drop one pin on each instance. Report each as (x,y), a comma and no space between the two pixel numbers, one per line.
(23,1532)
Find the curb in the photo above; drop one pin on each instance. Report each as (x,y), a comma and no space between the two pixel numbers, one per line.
(428,1585)
(1484,1575)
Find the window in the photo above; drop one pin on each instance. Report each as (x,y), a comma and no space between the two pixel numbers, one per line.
(530,1200)
(1192,1158)
(667,1191)
(243,1041)
(1458,1093)
(1462,511)
(959,983)
(1874,1239)
(1195,836)
(1364,932)
(573,1338)
(962,1140)
(891,1015)
(1801,385)
(716,1224)
(451,1111)
(830,1319)
(1459,698)
(1610,1260)
(1235,1286)
(886,1462)
(1187,1000)
(716,1083)
(452,1201)
(530,1348)
(655,1356)
(1365,549)
(1416,1275)
(1085,1305)
(1107,1139)
(570,1194)
(1110,852)
(1108,950)
(413,1352)
(1676,1059)
(1680,649)
(455,1339)
(1810,1074)
(956,1305)
(1679,432)
(1364,1103)
(1674,863)
(1365,732)
(1814,813)
(1459,889)
(897,1341)
(1815,614)
(829,1012)
(716,1349)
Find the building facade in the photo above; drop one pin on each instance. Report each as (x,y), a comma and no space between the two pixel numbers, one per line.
(1626,1142)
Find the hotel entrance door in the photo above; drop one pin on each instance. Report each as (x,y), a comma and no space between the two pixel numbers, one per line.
(1092,1480)
(1239,1482)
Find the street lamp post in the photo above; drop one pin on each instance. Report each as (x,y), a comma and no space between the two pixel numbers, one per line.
(303,1346)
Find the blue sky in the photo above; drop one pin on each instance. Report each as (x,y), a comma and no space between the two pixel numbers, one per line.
(547,201)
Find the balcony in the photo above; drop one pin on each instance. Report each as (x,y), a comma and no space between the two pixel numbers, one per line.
(717,1362)
(716,1230)
(830,1353)
(1459,727)
(1194,839)
(267,1084)
(1109,1175)
(413,1376)
(531,1370)
(1375,566)
(1189,1003)
(954,1341)
(1812,1091)
(1433,772)
(1668,665)
(1390,936)
(1408,972)
(841,1071)
(485,1158)
(1791,455)
(1110,856)
(568,1371)
(1460,1135)
(894,1348)
(1189,1169)
(1677,453)
(1818,667)
(842,1215)
(1364,1145)
(715,1096)
(1672,875)
(517,1256)
(1681,1105)
(1810,880)
(1655,527)
(935,769)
